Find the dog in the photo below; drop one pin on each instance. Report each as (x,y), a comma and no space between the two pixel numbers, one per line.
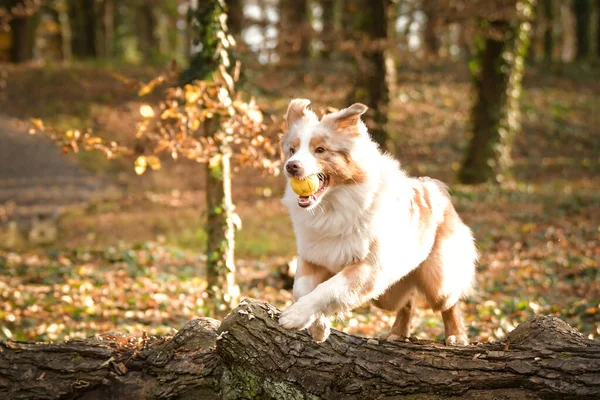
(369,232)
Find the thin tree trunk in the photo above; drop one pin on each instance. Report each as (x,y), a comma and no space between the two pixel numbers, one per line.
(496,113)
(109,28)
(82,15)
(147,31)
(549,24)
(328,35)
(598,29)
(23,31)
(220,267)
(295,30)
(223,290)
(235,17)
(248,356)
(430,38)
(370,19)
(582,10)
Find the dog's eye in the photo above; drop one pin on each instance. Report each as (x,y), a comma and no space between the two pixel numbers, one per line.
(292,150)
(320,150)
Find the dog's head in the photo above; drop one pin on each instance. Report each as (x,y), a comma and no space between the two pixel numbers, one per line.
(325,148)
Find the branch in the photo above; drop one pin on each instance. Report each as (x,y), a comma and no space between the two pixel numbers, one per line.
(249,356)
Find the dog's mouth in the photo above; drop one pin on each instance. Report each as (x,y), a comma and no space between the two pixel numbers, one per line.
(307,201)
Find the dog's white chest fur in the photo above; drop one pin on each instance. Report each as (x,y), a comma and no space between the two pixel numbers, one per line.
(333,248)
(337,233)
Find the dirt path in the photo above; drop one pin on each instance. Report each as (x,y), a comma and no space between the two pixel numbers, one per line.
(36,179)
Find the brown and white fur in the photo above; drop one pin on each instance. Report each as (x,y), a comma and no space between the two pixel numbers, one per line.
(370,233)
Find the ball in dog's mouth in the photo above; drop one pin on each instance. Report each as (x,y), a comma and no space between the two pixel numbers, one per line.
(307,201)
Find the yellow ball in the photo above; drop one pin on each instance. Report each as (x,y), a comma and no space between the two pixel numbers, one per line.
(306,186)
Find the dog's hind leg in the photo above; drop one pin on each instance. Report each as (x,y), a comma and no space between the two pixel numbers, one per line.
(400,330)
(447,276)
(454,328)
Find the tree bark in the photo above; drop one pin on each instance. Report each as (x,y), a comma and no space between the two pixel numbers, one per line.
(498,84)
(598,28)
(249,356)
(370,19)
(83,26)
(548,28)
(23,32)
(66,36)
(330,28)
(430,38)
(147,30)
(220,266)
(295,30)
(235,17)
(582,10)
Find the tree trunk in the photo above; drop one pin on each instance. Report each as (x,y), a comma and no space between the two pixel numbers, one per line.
(249,356)
(23,32)
(430,35)
(328,34)
(370,19)
(295,30)
(496,112)
(108,25)
(147,31)
(66,36)
(598,29)
(235,17)
(582,10)
(83,25)
(548,25)
(220,267)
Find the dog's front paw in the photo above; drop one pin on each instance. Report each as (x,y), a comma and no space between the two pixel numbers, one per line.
(457,340)
(320,329)
(299,316)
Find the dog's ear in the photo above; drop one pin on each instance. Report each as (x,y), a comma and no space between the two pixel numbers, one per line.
(297,110)
(348,119)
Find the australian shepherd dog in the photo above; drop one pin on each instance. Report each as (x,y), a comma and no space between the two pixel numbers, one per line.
(369,232)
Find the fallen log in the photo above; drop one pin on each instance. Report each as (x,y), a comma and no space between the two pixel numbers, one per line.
(248,356)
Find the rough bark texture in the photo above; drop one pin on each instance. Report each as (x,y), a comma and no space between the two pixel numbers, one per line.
(249,356)
(220,267)
(496,114)
(371,88)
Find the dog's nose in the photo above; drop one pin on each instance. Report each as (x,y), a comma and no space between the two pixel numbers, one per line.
(294,168)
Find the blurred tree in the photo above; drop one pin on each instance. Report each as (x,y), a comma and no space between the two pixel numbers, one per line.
(430,36)
(598,29)
(147,37)
(498,72)
(583,11)
(328,33)
(23,26)
(83,19)
(62,9)
(369,18)
(548,25)
(107,43)
(295,30)
(235,17)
